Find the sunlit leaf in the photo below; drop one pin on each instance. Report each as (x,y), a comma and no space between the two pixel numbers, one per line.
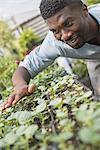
(61,137)
(10,138)
(88,94)
(84,116)
(2,143)
(21,130)
(21,116)
(88,135)
(55,102)
(41,107)
(29,132)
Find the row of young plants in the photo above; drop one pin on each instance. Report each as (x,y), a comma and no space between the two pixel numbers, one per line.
(60,115)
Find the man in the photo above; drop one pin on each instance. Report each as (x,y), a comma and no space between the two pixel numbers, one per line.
(74,32)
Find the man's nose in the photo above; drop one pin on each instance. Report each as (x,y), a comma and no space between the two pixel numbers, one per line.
(65,35)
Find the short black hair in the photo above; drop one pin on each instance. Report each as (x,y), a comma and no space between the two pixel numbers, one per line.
(49,8)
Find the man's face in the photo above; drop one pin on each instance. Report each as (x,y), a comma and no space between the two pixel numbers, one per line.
(70,26)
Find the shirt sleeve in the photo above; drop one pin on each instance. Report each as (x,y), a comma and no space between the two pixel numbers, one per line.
(41,57)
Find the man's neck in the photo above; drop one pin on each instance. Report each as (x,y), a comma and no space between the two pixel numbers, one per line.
(95,31)
(96,40)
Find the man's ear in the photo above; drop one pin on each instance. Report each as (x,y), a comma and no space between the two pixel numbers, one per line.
(85,10)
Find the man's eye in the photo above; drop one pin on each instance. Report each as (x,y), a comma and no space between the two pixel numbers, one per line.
(68,24)
(55,31)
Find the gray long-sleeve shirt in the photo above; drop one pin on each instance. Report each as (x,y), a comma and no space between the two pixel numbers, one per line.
(51,48)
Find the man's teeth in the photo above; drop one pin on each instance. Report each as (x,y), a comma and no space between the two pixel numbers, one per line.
(72,41)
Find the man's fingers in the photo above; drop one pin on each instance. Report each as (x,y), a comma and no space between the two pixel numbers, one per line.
(17,98)
(2,106)
(31,88)
(9,101)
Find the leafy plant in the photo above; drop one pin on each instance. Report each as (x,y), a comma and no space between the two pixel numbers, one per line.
(27,38)
(6,36)
(80,68)
(93,1)
(61,114)
(7,67)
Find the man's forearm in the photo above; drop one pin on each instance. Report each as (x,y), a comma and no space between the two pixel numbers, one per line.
(21,76)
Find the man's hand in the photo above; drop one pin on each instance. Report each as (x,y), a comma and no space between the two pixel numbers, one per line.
(19,92)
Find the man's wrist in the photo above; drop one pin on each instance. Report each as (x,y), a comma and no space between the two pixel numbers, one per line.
(19,85)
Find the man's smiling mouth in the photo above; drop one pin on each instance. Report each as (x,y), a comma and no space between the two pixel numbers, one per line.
(73,42)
